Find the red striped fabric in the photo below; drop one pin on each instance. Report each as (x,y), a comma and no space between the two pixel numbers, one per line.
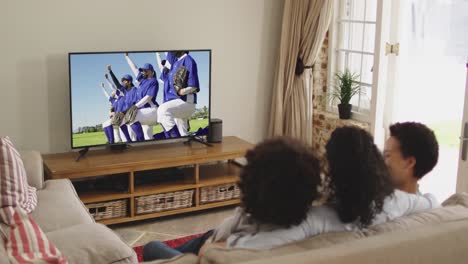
(25,242)
(14,188)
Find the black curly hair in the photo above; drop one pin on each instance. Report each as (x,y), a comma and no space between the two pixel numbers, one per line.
(418,141)
(359,180)
(279,182)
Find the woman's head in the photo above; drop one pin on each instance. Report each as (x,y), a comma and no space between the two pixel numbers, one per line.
(359,179)
(279,182)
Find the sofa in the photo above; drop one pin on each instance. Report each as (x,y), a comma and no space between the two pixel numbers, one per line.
(436,236)
(67,223)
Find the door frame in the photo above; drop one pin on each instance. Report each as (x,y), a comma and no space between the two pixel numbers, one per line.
(378,127)
(462,181)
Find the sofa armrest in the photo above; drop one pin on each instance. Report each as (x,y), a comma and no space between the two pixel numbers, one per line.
(92,243)
(34,168)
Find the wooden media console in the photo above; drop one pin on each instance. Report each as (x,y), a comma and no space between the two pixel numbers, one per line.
(154,180)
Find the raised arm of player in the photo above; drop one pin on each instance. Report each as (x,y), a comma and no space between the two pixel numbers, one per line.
(111,85)
(114,78)
(106,94)
(159,61)
(132,65)
(160,65)
(115,90)
(168,64)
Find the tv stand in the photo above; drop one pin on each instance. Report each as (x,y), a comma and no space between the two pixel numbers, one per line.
(82,153)
(119,182)
(197,139)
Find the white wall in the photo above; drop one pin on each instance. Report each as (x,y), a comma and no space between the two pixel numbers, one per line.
(36,37)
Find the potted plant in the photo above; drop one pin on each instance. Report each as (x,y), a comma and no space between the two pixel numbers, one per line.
(346,86)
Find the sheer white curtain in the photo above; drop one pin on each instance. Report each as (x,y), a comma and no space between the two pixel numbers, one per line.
(305,24)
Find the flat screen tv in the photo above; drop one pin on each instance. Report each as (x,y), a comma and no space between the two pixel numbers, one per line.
(129,97)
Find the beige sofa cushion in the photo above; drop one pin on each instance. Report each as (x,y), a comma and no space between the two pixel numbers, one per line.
(92,243)
(34,168)
(456,210)
(431,218)
(444,243)
(221,255)
(58,207)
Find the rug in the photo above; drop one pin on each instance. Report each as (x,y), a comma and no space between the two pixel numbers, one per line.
(171,243)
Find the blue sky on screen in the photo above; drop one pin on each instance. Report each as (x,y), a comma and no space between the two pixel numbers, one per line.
(89,105)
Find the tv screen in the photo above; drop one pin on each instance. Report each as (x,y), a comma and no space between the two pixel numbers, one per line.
(128,97)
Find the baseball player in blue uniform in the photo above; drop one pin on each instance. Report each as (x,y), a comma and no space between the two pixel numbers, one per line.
(130,97)
(146,93)
(107,126)
(164,68)
(177,108)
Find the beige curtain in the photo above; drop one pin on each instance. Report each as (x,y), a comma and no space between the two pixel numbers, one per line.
(305,24)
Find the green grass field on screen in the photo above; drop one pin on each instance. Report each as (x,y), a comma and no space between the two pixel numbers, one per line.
(99,138)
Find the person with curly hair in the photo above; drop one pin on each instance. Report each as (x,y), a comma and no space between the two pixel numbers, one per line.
(410,153)
(361,193)
(278,185)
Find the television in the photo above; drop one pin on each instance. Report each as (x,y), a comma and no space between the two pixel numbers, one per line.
(138,96)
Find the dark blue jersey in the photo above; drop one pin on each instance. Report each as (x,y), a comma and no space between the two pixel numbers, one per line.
(192,81)
(148,87)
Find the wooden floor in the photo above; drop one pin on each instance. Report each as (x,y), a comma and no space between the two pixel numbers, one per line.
(171,227)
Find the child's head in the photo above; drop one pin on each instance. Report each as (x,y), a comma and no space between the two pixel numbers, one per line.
(279,182)
(359,180)
(410,152)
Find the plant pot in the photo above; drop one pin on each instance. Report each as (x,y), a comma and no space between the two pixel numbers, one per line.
(344,111)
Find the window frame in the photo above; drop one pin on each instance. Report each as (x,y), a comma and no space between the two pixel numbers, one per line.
(333,42)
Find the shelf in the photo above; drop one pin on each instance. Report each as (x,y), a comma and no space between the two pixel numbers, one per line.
(168,213)
(102,196)
(218,204)
(218,174)
(102,188)
(181,182)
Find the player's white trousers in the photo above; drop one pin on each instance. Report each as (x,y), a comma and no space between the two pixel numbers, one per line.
(148,117)
(116,131)
(170,111)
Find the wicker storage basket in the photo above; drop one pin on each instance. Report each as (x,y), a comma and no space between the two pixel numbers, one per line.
(163,202)
(107,210)
(217,193)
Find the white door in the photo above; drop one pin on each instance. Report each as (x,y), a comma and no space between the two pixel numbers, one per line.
(462,179)
(426,80)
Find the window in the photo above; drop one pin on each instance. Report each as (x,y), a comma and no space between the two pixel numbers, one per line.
(352,46)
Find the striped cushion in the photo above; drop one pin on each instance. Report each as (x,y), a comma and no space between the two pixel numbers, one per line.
(24,240)
(14,188)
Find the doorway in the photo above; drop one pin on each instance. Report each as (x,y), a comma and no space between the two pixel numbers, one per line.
(427,78)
